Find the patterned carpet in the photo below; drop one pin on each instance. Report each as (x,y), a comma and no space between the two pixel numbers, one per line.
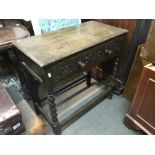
(11,81)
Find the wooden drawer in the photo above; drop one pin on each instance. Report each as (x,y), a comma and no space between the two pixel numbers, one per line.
(76,64)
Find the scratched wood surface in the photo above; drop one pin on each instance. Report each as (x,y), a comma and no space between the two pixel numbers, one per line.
(47,48)
(12,31)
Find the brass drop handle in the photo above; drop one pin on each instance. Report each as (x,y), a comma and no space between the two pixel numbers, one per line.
(81,64)
(108,52)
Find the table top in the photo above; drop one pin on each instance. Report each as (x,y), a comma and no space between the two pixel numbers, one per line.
(12,31)
(53,46)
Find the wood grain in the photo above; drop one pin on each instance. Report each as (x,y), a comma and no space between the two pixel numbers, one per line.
(142,111)
(134,75)
(12,31)
(130,25)
(53,46)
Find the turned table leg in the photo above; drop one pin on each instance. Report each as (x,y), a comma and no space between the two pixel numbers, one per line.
(55,122)
(115,72)
(88,78)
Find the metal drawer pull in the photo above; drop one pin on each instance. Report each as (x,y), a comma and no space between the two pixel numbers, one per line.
(108,52)
(81,64)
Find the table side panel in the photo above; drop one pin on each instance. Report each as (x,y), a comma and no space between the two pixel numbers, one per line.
(33,68)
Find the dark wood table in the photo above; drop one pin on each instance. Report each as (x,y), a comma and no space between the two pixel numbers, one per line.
(55,59)
(11,31)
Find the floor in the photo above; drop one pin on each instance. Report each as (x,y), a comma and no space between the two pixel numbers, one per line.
(104,119)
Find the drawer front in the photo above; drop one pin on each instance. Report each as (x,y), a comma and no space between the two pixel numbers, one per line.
(84,61)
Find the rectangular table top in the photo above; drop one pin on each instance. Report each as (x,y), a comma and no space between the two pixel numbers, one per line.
(53,46)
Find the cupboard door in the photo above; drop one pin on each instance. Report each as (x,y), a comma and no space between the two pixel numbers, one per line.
(143,106)
(146,108)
